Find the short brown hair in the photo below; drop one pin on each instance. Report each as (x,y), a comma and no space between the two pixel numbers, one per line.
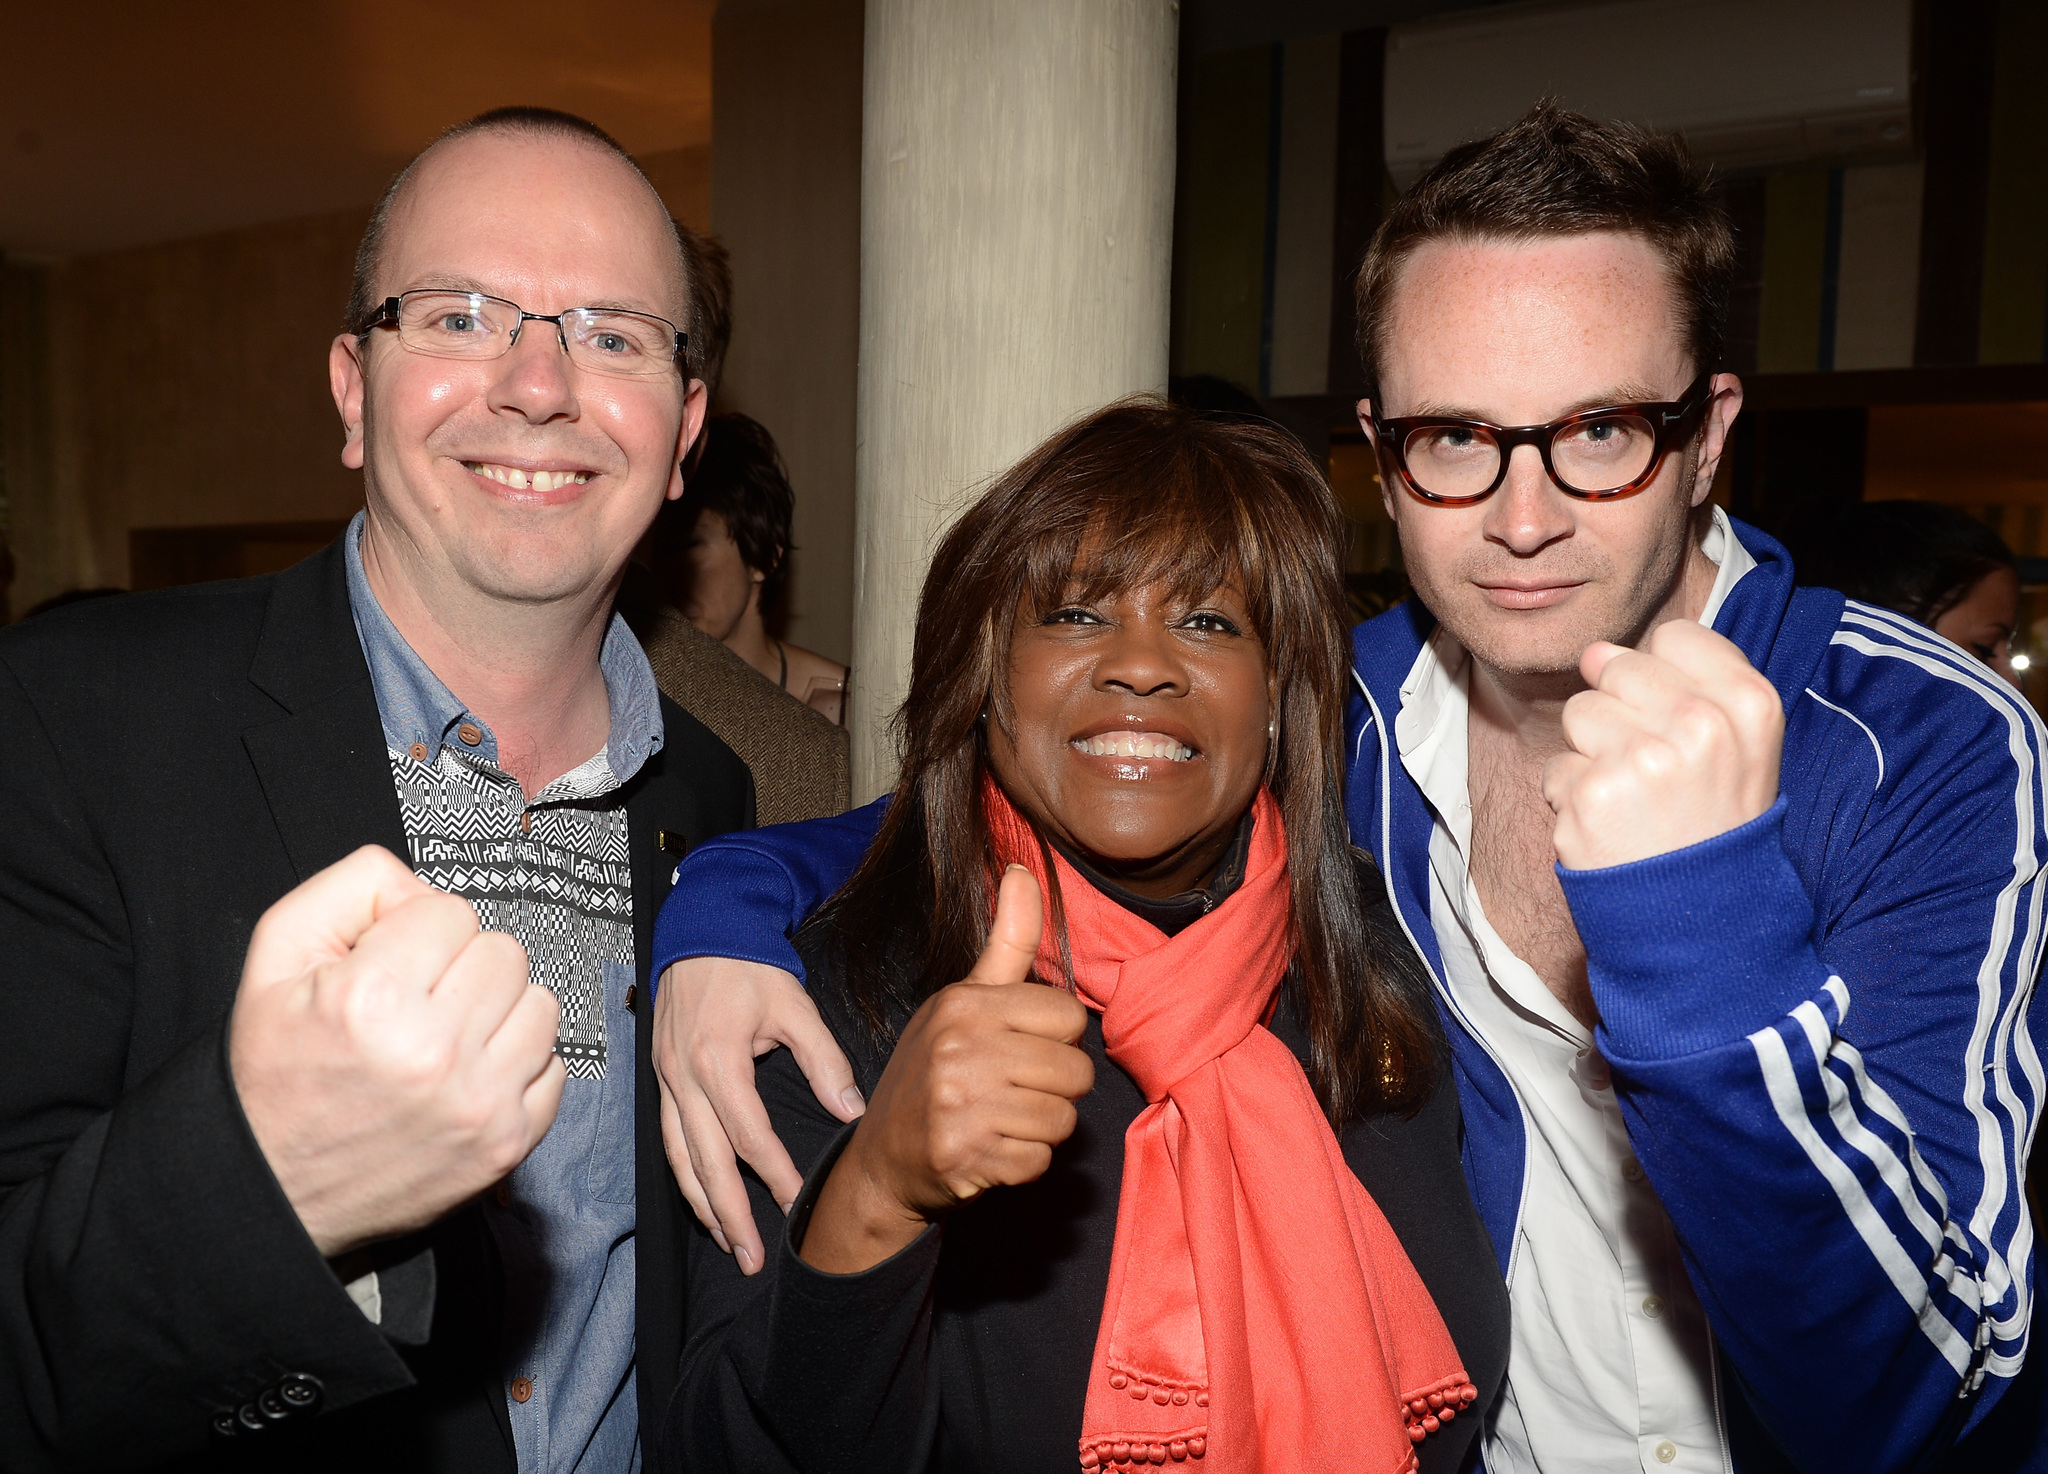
(1141,491)
(534,122)
(710,325)
(1558,173)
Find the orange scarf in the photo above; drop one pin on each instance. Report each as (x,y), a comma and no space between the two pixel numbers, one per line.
(1261,1314)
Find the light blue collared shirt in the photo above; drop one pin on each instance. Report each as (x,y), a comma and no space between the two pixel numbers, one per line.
(553,871)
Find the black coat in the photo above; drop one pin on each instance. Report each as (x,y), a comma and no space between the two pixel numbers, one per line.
(969,1350)
(170,764)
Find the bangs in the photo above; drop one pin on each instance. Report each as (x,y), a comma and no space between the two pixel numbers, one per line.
(1183,520)
(1142,494)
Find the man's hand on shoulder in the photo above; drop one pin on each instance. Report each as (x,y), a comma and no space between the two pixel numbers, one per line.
(391,1057)
(1675,743)
(713,1016)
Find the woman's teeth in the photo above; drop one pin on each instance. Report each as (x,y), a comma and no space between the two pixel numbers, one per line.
(1133,744)
(520,480)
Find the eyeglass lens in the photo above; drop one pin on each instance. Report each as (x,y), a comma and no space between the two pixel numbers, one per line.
(470,325)
(1591,457)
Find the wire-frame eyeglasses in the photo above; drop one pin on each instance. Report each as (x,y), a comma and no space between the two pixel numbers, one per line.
(604,340)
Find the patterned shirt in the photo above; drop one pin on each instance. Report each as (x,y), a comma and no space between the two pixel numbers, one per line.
(552,871)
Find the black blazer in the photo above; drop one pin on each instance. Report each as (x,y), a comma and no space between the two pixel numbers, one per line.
(170,764)
(970,1349)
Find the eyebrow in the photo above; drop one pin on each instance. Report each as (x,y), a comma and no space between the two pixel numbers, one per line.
(1623,393)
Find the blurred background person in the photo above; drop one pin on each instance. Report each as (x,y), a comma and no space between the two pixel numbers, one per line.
(721,552)
(798,755)
(1935,564)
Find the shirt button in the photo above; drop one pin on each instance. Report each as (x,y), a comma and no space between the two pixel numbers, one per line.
(1665,1451)
(503,1193)
(632,994)
(1632,1170)
(526,821)
(522,1388)
(419,752)
(470,734)
(1653,1306)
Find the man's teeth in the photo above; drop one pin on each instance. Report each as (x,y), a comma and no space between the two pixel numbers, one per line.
(520,480)
(1134,744)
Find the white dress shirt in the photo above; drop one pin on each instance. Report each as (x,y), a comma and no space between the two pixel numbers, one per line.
(1611,1361)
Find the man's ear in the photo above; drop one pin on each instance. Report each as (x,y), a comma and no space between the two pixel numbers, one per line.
(1372,438)
(695,401)
(345,379)
(1715,432)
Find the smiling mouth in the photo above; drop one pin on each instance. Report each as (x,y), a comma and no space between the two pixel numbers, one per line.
(1134,744)
(521,480)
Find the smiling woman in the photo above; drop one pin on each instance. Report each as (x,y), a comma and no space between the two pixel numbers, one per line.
(1158,1164)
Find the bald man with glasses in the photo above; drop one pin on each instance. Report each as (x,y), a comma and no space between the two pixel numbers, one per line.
(324,897)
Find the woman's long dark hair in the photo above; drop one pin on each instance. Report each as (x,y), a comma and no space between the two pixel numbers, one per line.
(1141,491)
(1919,559)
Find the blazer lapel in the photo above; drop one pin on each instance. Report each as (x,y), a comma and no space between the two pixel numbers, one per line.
(323,765)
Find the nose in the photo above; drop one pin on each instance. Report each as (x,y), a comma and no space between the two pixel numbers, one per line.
(1528,513)
(534,379)
(1141,658)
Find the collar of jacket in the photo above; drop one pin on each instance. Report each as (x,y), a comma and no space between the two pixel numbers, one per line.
(1782,629)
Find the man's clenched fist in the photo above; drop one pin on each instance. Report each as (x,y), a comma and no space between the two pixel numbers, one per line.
(391,1057)
(1675,743)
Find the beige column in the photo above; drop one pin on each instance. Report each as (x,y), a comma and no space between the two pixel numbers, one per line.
(1016,232)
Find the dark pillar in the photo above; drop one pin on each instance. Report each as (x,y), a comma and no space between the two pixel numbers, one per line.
(1956,40)
(1796,470)
(1361,187)
(1744,199)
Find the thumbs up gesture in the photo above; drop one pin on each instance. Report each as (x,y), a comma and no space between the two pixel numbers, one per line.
(390,1057)
(979,1091)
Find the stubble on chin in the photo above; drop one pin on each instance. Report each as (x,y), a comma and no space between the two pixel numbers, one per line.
(1525,645)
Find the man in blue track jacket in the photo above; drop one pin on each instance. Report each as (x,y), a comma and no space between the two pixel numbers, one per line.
(1731,892)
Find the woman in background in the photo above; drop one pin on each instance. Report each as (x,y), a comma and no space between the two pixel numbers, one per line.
(722,550)
(1935,564)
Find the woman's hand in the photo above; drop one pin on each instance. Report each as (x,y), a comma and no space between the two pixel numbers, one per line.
(980,1089)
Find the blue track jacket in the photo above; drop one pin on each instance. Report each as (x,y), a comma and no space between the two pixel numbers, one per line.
(1821,1027)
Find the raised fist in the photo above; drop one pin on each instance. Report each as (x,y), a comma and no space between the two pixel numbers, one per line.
(391,1058)
(1675,744)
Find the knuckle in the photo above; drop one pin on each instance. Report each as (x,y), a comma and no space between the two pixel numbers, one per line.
(1655,761)
(499,952)
(704,1060)
(950,1096)
(1604,790)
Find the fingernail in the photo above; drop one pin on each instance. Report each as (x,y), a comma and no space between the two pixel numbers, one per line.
(745,1258)
(851,1098)
(785,1207)
(719,1239)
